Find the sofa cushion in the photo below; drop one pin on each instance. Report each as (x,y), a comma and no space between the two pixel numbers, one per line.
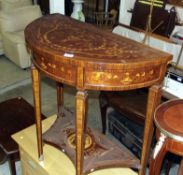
(15,48)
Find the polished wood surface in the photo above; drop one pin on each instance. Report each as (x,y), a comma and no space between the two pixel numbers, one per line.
(15,115)
(55,162)
(83,56)
(88,58)
(168,119)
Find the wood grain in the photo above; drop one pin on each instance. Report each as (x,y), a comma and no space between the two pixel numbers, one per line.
(103,60)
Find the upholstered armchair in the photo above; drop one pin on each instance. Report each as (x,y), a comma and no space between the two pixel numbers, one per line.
(9,5)
(13,24)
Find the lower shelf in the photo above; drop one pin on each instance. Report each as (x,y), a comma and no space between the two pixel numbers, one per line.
(99,151)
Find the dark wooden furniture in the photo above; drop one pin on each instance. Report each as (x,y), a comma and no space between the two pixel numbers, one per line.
(3,156)
(44,5)
(131,104)
(15,115)
(81,55)
(106,20)
(162,20)
(168,119)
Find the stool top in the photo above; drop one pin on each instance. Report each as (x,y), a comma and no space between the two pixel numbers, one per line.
(15,115)
(169,119)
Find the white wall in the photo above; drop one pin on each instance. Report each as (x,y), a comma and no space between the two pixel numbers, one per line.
(57,6)
(124,15)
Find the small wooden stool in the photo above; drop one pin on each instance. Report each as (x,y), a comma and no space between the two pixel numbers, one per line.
(15,115)
(169,121)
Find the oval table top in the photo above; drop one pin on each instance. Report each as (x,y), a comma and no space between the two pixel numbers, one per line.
(81,55)
(169,118)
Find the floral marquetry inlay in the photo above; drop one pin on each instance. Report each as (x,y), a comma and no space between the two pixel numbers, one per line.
(52,65)
(83,56)
(124,78)
(43,65)
(61,70)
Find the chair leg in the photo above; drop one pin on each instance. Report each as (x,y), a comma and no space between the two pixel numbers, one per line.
(103,109)
(180,172)
(158,156)
(169,164)
(168,167)
(12,166)
(3,156)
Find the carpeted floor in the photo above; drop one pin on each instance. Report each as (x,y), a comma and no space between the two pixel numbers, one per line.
(11,75)
(17,82)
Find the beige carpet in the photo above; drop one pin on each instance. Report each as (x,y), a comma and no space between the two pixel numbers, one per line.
(11,76)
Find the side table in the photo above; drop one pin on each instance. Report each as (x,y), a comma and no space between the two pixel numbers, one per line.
(15,115)
(79,54)
(169,132)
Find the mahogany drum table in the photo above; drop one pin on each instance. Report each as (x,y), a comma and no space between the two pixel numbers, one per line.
(87,58)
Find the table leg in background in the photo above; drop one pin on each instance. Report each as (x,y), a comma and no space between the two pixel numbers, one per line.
(60,95)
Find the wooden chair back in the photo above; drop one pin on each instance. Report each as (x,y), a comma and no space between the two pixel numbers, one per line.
(106,20)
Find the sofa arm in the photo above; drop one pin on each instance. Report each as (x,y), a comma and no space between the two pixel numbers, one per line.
(18,19)
(8,5)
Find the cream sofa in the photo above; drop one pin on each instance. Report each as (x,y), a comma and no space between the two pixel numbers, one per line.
(12,28)
(9,5)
